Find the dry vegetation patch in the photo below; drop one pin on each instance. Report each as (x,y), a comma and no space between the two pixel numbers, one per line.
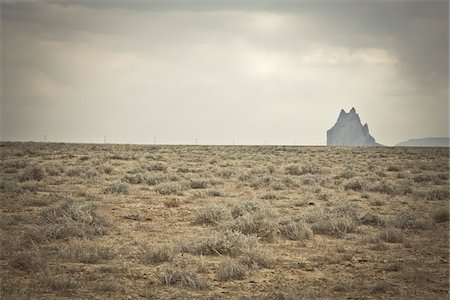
(210,222)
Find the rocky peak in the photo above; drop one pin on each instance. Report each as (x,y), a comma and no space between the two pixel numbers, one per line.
(348,131)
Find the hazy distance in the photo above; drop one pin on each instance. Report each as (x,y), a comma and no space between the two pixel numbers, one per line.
(256,72)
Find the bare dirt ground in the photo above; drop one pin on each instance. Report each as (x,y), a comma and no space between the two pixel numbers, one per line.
(90,221)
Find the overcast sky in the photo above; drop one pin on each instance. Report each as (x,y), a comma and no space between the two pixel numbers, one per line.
(253,71)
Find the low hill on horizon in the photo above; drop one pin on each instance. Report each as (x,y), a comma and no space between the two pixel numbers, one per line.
(426,142)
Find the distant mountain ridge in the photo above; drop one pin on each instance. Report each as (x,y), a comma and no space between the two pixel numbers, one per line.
(426,142)
(348,131)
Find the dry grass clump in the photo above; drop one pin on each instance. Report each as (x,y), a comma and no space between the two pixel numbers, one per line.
(175,276)
(392,235)
(157,166)
(376,202)
(336,221)
(9,187)
(54,170)
(387,187)
(210,214)
(227,242)
(433,194)
(355,184)
(28,260)
(86,252)
(232,269)
(441,216)
(199,184)
(74,219)
(169,188)
(372,220)
(36,172)
(301,170)
(297,230)
(240,208)
(161,253)
(261,222)
(172,202)
(411,220)
(118,187)
(61,283)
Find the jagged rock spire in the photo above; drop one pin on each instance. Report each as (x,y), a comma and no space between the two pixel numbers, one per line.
(348,131)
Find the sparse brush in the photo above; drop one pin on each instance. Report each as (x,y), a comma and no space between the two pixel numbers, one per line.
(161,253)
(240,208)
(169,188)
(118,187)
(54,170)
(231,269)
(392,235)
(410,220)
(69,218)
(372,219)
(355,184)
(28,260)
(36,172)
(228,242)
(441,216)
(198,184)
(61,283)
(210,214)
(172,202)
(85,252)
(337,221)
(295,230)
(262,223)
(175,276)
(433,194)
(9,187)
(301,170)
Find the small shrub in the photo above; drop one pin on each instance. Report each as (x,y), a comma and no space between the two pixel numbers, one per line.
(261,223)
(9,187)
(393,168)
(297,231)
(301,170)
(74,219)
(410,220)
(228,242)
(380,287)
(231,269)
(214,193)
(355,185)
(61,283)
(169,188)
(176,276)
(85,252)
(158,254)
(118,187)
(433,194)
(54,170)
(74,172)
(27,261)
(441,216)
(156,167)
(371,219)
(392,235)
(241,208)
(36,172)
(172,202)
(210,215)
(198,184)
(376,202)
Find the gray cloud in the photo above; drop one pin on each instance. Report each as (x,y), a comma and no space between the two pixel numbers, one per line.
(252,71)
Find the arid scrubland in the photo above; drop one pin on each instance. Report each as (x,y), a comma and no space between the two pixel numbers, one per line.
(219,222)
